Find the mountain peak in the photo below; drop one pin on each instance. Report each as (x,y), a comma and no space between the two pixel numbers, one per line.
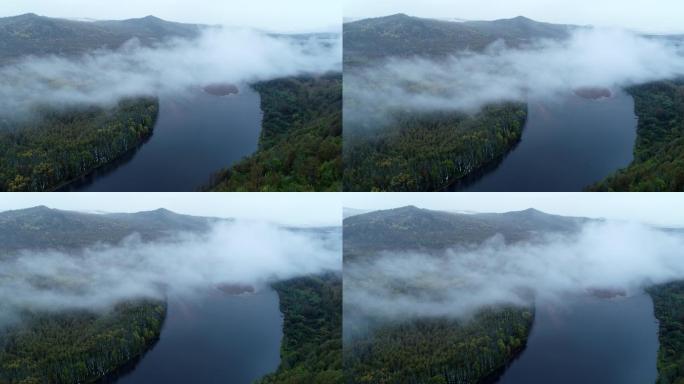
(398,17)
(25,16)
(39,208)
(161,211)
(151,18)
(530,211)
(408,208)
(515,20)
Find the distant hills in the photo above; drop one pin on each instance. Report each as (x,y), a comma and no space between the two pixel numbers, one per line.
(412,228)
(30,34)
(349,212)
(41,227)
(403,35)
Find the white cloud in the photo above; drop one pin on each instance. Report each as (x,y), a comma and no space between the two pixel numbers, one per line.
(236,56)
(183,264)
(604,257)
(606,58)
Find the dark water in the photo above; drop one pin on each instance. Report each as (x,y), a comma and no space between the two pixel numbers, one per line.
(196,135)
(590,340)
(567,145)
(218,339)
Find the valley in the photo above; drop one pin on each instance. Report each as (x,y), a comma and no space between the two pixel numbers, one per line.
(287,329)
(167,137)
(555,141)
(413,277)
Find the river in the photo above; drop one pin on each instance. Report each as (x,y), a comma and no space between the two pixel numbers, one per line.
(219,338)
(590,340)
(567,144)
(196,135)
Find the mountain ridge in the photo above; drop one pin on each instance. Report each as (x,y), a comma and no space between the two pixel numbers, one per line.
(32,34)
(402,35)
(412,228)
(41,227)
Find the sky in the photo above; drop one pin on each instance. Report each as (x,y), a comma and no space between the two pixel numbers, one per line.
(661,16)
(298,209)
(665,209)
(272,15)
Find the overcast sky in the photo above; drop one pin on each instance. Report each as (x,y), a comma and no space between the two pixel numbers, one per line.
(275,15)
(642,15)
(300,209)
(653,208)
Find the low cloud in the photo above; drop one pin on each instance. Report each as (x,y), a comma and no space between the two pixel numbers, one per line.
(225,55)
(603,258)
(95,278)
(594,57)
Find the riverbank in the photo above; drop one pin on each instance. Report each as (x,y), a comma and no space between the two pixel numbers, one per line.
(62,146)
(300,146)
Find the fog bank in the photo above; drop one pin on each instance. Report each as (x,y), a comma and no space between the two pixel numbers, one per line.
(219,55)
(100,276)
(605,259)
(591,57)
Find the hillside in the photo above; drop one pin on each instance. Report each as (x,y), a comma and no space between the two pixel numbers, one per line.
(439,351)
(668,303)
(411,228)
(30,34)
(423,151)
(78,347)
(42,227)
(56,146)
(312,342)
(404,36)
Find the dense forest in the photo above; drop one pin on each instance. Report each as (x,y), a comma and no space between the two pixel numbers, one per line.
(57,146)
(300,148)
(77,347)
(438,351)
(311,351)
(668,301)
(659,150)
(429,151)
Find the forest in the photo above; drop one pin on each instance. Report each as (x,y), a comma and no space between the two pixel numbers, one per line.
(300,148)
(429,151)
(668,302)
(57,146)
(658,164)
(311,351)
(439,350)
(78,347)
